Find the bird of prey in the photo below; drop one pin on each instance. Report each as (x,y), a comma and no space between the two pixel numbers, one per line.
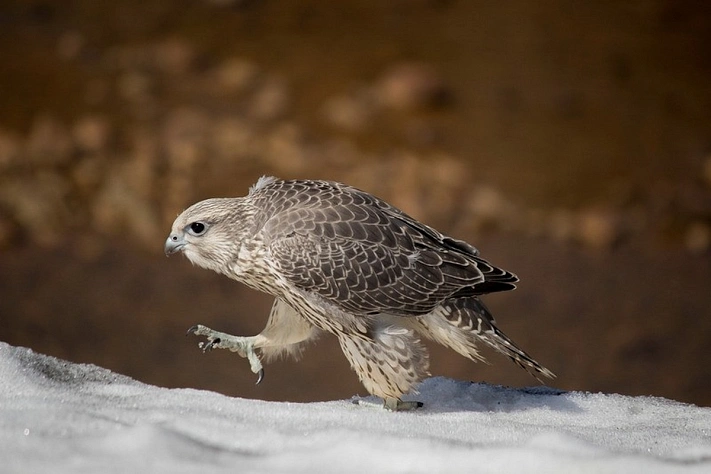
(342,261)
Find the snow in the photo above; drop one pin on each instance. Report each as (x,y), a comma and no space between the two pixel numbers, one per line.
(56,416)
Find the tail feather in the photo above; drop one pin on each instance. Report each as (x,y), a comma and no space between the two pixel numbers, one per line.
(460,323)
(501,343)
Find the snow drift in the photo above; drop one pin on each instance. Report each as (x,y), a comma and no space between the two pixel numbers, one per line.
(58,417)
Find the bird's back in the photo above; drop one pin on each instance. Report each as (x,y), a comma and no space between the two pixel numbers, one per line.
(364,254)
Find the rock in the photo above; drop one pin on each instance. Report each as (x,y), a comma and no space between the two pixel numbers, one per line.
(96,91)
(90,247)
(342,153)
(128,57)
(140,169)
(174,56)
(706,173)
(117,209)
(88,174)
(698,237)
(10,150)
(285,149)
(38,205)
(232,138)
(184,145)
(184,138)
(449,178)
(49,142)
(561,225)
(171,56)
(235,75)
(271,100)
(412,85)
(420,132)
(406,188)
(536,222)
(7,232)
(91,134)
(598,228)
(488,207)
(350,114)
(692,199)
(226,3)
(140,176)
(124,199)
(134,86)
(70,45)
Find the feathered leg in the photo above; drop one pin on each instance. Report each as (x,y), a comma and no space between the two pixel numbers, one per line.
(389,363)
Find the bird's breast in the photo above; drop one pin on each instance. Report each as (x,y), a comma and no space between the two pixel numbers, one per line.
(252,267)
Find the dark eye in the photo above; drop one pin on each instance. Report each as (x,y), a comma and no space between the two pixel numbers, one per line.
(197,228)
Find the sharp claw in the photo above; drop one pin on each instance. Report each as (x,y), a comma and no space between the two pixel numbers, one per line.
(208,346)
(244,346)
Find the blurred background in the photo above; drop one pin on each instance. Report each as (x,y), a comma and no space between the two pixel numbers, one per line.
(569,141)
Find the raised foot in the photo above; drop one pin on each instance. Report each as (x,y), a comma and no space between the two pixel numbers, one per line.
(391,404)
(244,346)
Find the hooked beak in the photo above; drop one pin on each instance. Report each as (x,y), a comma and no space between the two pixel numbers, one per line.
(174,243)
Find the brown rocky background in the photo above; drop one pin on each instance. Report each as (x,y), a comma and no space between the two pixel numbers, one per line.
(569,141)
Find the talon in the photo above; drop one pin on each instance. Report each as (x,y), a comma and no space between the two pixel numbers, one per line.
(208,346)
(192,330)
(254,363)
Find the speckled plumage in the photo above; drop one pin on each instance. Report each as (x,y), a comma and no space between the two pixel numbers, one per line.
(340,260)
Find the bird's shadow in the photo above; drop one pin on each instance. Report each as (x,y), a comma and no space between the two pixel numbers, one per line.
(443,395)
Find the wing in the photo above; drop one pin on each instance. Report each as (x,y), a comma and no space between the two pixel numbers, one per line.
(367,257)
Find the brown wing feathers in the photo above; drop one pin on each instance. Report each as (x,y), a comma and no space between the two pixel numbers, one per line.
(370,257)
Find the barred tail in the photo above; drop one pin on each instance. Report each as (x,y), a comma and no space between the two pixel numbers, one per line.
(501,343)
(460,323)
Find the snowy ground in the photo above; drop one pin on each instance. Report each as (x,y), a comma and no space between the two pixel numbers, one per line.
(58,417)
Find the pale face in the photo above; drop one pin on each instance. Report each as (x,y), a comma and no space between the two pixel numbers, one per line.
(206,234)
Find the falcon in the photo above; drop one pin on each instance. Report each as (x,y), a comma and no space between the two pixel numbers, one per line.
(341,261)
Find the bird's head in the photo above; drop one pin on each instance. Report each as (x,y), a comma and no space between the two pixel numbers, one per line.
(209,233)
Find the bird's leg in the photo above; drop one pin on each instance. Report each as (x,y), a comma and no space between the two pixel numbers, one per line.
(242,345)
(284,332)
